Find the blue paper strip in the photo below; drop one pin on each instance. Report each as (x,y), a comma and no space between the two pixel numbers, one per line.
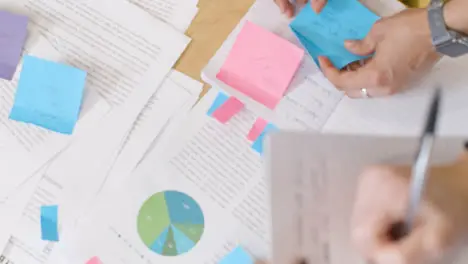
(221,98)
(49,223)
(49,95)
(237,256)
(258,144)
(324,34)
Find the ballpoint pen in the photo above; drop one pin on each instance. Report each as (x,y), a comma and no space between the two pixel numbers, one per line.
(419,169)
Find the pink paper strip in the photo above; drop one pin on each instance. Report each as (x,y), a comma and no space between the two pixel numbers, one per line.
(227,110)
(257,129)
(94,260)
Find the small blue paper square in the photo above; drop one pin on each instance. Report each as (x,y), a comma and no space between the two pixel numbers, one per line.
(49,95)
(258,144)
(324,34)
(49,223)
(237,256)
(220,99)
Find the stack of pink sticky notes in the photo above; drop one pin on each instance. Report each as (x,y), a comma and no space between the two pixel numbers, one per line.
(261,65)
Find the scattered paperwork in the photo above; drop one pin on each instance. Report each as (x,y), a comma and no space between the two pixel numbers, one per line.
(215,164)
(26,148)
(227,110)
(49,223)
(13,32)
(324,34)
(126,63)
(74,181)
(49,95)
(261,65)
(238,256)
(119,52)
(141,149)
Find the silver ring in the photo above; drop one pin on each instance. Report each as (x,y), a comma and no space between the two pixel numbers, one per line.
(364,93)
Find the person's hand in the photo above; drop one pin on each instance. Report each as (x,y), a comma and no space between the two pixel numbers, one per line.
(289,9)
(403,52)
(382,200)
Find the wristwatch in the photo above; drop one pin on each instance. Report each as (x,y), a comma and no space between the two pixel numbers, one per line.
(446,41)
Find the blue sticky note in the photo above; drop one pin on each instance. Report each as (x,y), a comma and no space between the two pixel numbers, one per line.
(49,95)
(258,144)
(49,223)
(237,256)
(221,98)
(324,34)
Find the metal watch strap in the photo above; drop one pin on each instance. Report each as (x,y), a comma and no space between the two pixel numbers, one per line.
(447,42)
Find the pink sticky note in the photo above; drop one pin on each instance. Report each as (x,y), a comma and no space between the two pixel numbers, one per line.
(257,129)
(261,65)
(94,260)
(227,110)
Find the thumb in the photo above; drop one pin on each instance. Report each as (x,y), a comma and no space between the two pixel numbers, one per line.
(361,47)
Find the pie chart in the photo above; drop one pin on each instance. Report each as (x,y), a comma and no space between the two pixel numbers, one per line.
(170,223)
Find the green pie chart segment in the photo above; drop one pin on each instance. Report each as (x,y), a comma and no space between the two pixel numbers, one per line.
(153,218)
(170,223)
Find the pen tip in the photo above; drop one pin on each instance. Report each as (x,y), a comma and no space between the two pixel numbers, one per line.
(434,111)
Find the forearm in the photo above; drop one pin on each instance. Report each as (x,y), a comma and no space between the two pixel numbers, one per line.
(456,15)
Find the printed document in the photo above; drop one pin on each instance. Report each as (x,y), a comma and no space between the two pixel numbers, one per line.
(177,13)
(177,96)
(113,40)
(212,162)
(25,148)
(313,179)
(74,179)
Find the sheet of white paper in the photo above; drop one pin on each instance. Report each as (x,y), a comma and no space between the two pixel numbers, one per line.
(117,43)
(177,94)
(25,148)
(177,13)
(212,162)
(404,114)
(14,207)
(309,89)
(75,177)
(313,179)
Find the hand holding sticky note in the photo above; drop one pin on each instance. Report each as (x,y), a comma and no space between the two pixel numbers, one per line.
(324,34)
(49,223)
(261,65)
(13,32)
(49,95)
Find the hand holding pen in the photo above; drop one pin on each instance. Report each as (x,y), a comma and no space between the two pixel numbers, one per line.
(416,215)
